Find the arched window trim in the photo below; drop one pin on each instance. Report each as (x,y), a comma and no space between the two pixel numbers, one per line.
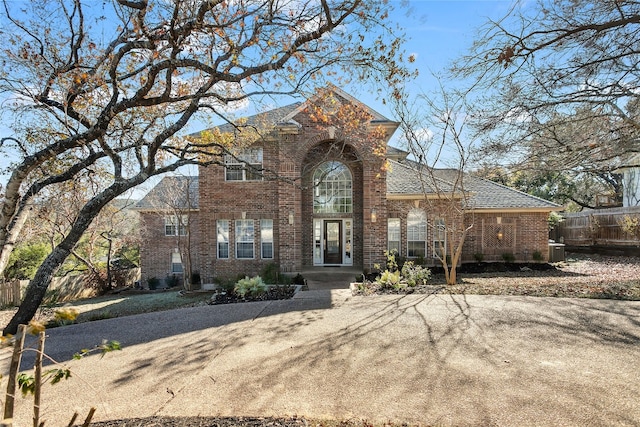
(332,188)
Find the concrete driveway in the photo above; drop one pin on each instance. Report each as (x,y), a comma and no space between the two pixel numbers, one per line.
(422,359)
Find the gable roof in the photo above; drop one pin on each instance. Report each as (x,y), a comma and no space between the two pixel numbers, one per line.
(172,192)
(408,179)
(270,118)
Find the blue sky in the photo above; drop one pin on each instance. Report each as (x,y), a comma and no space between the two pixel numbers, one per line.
(438,31)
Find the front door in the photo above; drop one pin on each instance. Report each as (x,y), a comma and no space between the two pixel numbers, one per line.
(333,242)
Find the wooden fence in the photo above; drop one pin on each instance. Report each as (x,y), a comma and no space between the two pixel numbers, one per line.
(596,228)
(61,289)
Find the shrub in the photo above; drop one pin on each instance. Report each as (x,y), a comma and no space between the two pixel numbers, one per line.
(172,281)
(537,256)
(390,279)
(508,257)
(478,256)
(270,273)
(415,274)
(195,278)
(252,287)
(298,279)
(153,283)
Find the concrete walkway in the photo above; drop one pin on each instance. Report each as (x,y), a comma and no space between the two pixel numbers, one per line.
(432,360)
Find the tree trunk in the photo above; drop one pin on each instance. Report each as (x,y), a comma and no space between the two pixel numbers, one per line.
(9,237)
(38,286)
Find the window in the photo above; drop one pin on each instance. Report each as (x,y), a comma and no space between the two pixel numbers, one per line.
(416,233)
(244,166)
(175,225)
(439,238)
(244,238)
(332,188)
(393,235)
(176,263)
(266,237)
(222,226)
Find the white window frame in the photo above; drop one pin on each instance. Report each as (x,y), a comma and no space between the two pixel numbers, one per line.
(394,230)
(244,165)
(176,260)
(245,238)
(222,233)
(332,188)
(175,225)
(416,232)
(439,237)
(266,237)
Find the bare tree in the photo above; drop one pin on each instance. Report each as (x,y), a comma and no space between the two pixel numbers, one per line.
(115,87)
(175,199)
(435,132)
(556,85)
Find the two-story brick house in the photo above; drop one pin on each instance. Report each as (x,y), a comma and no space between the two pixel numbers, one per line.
(320,187)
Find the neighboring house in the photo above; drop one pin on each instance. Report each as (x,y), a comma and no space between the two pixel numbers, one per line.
(630,169)
(332,197)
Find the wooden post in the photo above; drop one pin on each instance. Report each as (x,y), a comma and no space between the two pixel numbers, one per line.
(14,367)
(38,380)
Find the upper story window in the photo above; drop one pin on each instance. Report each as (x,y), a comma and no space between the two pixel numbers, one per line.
(245,165)
(175,225)
(332,188)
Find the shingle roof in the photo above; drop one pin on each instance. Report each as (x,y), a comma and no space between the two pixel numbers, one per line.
(172,192)
(406,178)
(266,119)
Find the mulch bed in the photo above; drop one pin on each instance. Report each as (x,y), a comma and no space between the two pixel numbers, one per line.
(580,276)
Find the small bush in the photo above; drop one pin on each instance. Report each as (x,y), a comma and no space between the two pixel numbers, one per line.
(195,278)
(153,283)
(270,273)
(415,274)
(537,256)
(508,257)
(298,279)
(172,281)
(390,279)
(250,287)
(478,256)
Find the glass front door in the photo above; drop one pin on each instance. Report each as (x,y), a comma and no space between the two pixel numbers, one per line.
(333,242)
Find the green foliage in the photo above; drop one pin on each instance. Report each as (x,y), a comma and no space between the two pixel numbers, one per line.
(537,256)
(478,256)
(270,273)
(153,283)
(410,274)
(104,348)
(508,257)
(25,260)
(390,279)
(172,281)
(251,287)
(630,224)
(554,219)
(299,279)
(415,274)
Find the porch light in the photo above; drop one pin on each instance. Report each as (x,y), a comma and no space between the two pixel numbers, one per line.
(374,215)
(291,217)
(499,235)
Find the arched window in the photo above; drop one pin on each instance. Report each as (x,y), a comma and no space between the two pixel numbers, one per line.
(416,233)
(332,188)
